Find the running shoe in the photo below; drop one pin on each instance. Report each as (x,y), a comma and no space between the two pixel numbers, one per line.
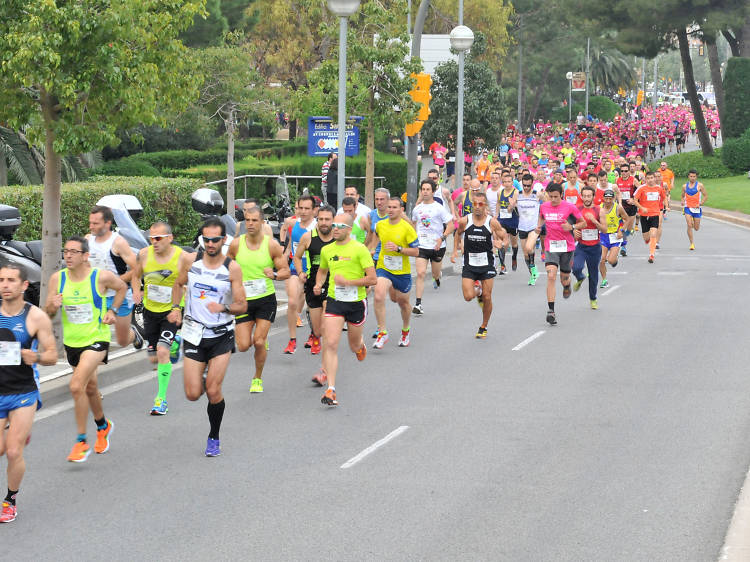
(692,246)
(435,283)
(291,347)
(478,288)
(603,284)
(481,333)
(502,270)
(532,280)
(657,246)
(80,452)
(381,341)
(594,305)
(514,264)
(256,386)
(8,513)
(174,349)
(623,252)
(375,334)
(404,341)
(160,407)
(417,310)
(578,283)
(102,438)
(566,291)
(651,258)
(329,398)
(308,343)
(544,257)
(551,317)
(299,321)
(320,378)
(362,353)
(137,336)
(315,347)
(213,447)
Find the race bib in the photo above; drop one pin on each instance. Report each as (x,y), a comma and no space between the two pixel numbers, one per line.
(10,353)
(394,263)
(572,199)
(254,287)
(97,261)
(79,313)
(589,234)
(504,214)
(346,294)
(613,239)
(625,195)
(478,259)
(427,240)
(695,210)
(652,196)
(192,331)
(294,248)
(159,293)
(558,246)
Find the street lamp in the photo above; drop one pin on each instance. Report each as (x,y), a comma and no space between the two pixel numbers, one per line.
(343,9)
(462,38)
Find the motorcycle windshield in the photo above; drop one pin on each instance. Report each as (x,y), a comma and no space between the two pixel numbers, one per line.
(128,229)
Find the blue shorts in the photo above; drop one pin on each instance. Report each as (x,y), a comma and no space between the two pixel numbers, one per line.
(126,307)
(693,214)
(401,283)
(10,402)
(604,241)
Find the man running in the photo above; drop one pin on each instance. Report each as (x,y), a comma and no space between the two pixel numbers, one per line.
(481,234)
(208,324)
(22,325)
(693,198)
(627,185)
(507,216)
(649,199)
(434,224)
(557,215)
(349,267)
(612,214)
(157,266)
(528,203)
(81,291)
(261,260)
(361,210)
(588,249)
(399,241)
(361,226)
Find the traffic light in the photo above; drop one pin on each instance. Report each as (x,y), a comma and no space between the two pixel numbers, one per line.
(421,95)
(413,128)
(639,99)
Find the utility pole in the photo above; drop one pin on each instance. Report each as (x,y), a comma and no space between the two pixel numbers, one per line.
(656,81)
(588,70)
(519,113)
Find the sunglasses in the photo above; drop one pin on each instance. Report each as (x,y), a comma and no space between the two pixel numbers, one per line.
(159,237)
(212,239)
(480,204)
(67,252)
(340,225)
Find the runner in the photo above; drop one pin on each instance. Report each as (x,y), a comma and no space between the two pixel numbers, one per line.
(693,198)
(528,217)
(361,209)
(81,291)
(261,260)
(507,216)
(649,199)
(361,226)
(588,250)
(613,214)
(477,278)
(109,251)
(559,242)
(157,266)
(627,185)
(249,204)
(493,192)
(399,241)
(434,224)
(22,325)
(350,266)
(208,325)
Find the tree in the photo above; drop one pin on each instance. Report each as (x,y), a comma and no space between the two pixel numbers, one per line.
(19,157)
(239,14)
(208,28)
(74,72)
(610,70)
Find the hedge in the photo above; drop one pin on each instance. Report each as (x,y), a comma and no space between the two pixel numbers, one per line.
(600,107)
(735,153)
(126,167)
(736,98)
(708,167)
(162,199)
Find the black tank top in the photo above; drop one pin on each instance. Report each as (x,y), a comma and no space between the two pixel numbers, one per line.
(478,252)
(316,245)
(17,379)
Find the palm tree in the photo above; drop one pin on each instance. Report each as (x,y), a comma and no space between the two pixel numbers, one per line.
(610,70)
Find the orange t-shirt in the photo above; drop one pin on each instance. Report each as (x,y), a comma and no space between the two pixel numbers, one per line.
(667,176)
(483,167)
(652,198)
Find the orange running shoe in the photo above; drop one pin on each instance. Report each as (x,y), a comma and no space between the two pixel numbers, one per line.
(320,378)
(299,321)
(329,398)
(362,353)
(309,342)
(315,348)
(102,438)
(80,452)
(291,347)
(8,513)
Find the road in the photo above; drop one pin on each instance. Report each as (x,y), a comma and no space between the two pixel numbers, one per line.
(619,434)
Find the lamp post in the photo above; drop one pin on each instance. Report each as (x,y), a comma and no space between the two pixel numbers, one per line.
(569,76)
(343,9)
(462,38)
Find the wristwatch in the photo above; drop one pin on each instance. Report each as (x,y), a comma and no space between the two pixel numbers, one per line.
(226,309)
(398,249)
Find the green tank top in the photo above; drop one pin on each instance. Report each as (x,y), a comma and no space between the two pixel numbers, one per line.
(253,262)
(357,233)
(158,279)
(83,308)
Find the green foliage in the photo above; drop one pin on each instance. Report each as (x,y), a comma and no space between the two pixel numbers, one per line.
(126,167)
(735,153)
(208,29)
(707,166)
(599,106)
(162,199)
(239,14)
(736,97)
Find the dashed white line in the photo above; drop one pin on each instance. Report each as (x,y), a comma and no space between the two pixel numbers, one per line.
(727,273)
(392,435)
(610,290)
(528,340)
(671,272)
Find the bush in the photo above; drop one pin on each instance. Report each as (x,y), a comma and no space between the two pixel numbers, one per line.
(736,98)
(162,199)
(126,167)
(708,167)
(735,153)
(600,107)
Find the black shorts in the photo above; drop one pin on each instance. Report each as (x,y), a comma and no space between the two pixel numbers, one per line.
(74,353)
(631,210)
(209,347)
(355,313)
(524,234)
(262,308)
(478,274)
(647,223)
(313,300)
(511,230)
(432,254)
(157,329)
(561,260)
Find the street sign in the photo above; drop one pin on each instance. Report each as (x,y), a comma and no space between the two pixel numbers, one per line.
(323,136)
(579,82)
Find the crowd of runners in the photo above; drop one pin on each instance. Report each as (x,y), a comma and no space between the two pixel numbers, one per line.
(570,205)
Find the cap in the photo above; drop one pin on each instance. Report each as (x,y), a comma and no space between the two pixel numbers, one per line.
(609,193)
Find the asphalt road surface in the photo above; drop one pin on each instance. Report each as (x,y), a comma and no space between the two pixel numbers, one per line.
(619,434)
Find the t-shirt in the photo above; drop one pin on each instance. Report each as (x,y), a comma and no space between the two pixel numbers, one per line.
(401,234)
(652,198)
(554,217)
(361,210)
(350,261)
(430,218)
(590,232)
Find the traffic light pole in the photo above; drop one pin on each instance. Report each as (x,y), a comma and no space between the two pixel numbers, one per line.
(412,169)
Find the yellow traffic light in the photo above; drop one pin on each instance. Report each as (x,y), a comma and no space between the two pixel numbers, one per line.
(413,128)
(421,95)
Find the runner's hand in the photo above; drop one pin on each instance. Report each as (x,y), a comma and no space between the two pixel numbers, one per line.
(317,289)
(341,281)
(109,317)
(215,307)
(57,301)
(175,316)
(268,272)
(28,356)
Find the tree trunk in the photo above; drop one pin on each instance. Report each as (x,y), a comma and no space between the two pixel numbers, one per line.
(292,129)
(370,157)
(3,170)
(713,61)
(744,38)
(229,124)
(734,44)
(538,96)
(687,67)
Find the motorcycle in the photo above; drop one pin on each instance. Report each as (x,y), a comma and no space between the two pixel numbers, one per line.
(27,254)
(209,203)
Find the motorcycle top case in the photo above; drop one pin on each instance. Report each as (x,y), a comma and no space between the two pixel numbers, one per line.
(207,201)
(10,220)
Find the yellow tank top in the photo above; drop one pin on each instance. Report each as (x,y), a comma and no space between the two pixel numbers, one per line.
(613,220)
(159,279)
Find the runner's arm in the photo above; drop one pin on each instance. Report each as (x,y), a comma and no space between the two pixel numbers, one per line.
(302,246)
(54,299)
(137,271)
(234,247)
(121,248)
(41,329)
(239,303)
(703,192)
(279,260)
(178,289)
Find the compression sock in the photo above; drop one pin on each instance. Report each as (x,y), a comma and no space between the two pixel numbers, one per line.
(419,301)
(528,262)
(81,438)
(101,424)
(11,497)
(215,415)
(163,373)
(551,305)
(515,252)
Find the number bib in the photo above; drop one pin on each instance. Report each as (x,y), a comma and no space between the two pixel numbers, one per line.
(625,195)
(97,261)
(504,214)
(478,259)
(558,246)
(427,240)
(571,199)
(192,331)
(254,287)
(346,294)
(613,238)
(394,263)
(10,353)
(80,313)
(159,293)
(589,234)
(695,210)
(652,196)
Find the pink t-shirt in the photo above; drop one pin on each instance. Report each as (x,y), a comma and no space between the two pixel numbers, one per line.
(554,217)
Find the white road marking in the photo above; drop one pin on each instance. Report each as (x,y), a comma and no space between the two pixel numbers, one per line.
(528,340)
(685,257)
(671,272)
(610,290)
(727,273)
(737,541)
(392,435)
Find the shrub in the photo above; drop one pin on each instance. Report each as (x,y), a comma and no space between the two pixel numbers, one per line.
(162,199)
(736,98)
(735,153)
(126,167)
(600,107)
(708,167)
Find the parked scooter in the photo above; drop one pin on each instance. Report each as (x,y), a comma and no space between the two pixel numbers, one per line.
(28,254)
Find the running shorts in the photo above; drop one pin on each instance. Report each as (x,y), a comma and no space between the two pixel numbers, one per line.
(9,402)
(561,260)
(262,308)
(432,255)
(74,353)
(401,283)
(478,274)
(354,313)
(157,329)
(209,347)
(647,223)
(606,241)
(696,212)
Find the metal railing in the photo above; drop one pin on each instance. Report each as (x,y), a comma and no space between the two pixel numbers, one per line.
(380,179)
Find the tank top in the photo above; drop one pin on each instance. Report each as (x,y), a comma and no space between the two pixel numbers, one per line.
(158,279)
(375,218)
(17,378)
(83,309)
(101,257)
(253,262)
(478,253)
(613,220)
(316,245)
(297,231)
(492,197)
(626,188)
(358,233)
(503,214)
(528,211)
(209,285)
(692,196)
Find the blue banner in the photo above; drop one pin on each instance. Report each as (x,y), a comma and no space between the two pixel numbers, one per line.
(323,136)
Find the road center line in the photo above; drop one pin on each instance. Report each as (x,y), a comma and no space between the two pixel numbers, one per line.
(671,272)
(610,290)
(528,340)
(372,448)
(727,273)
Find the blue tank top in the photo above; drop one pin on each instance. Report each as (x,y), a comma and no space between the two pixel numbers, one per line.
(297,231)
(375,218)
(17,379)
(503,202)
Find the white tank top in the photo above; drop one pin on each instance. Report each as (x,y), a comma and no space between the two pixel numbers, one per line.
(209,285)
(101,257)
(528,211)
(492,197)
